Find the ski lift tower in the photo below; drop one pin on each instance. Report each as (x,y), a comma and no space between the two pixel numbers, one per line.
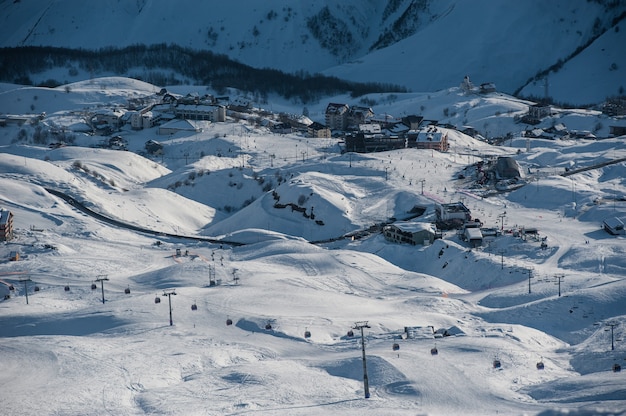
(25,280)
(366,386)
(169,294)
(101,279)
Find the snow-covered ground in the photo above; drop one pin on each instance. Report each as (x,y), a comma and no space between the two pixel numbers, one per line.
(292,303)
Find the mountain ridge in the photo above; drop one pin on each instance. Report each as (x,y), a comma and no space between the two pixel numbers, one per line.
(424,46)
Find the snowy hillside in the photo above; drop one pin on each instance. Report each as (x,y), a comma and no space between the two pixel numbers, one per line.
(423,45)
(187,284)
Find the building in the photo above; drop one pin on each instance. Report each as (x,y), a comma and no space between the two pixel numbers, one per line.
(452,215)
(487,87)
(474,236)
(154,148)
(176,126)
(6,225)
(213,113)
(614,226)
(414,233)
(359,115)
(429,138)
(336,116)
(616,131)
(318,130)
(536,113)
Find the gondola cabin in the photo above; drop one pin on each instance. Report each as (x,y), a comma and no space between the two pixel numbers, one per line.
(157,300)
(93,286)
(350,333)
(268,326)
(497,364)
(194,307)
(617,368)
(433,351)
(540,365)
(127,290)
(307,334)
(396,347)
(67,288)
(229,322)
(36,288)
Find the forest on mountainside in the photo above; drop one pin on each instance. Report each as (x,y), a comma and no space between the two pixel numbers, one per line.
(174,65)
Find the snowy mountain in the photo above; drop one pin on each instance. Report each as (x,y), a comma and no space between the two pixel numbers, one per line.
(186,283)
(568,50)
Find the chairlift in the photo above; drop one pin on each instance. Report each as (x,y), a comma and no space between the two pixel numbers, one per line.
(617,368)
(496,363)
(268,326)
(157,300)
(433,351)
(194,307)
(127,290)
(307,334)
(396,346)
(93,286)
(36,288)
(350,333)
(229,322)
(67,288)
(540,365)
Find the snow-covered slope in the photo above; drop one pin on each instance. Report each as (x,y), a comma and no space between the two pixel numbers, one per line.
(423,45)
(263,327)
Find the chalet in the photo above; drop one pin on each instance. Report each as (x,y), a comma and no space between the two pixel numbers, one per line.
(318,130)
(614,226)
(336,116)
(154,148)
(240,104)
(117,143)
(6,225)
(282,128)
(536,113)
(107,119)
(487,87)
(415,233)
(428,138)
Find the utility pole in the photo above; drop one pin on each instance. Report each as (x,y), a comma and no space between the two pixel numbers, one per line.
(169,294)
(559,278)
(101,279)
(25,280)
(366,384)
